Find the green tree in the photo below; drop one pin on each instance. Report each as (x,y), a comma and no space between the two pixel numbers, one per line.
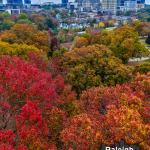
(125,44)
(6,15)
(24,21)
(23,16)
(7,24)
(143,68)
(92,66)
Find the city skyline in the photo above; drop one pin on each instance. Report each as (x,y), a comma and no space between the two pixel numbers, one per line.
(59,1)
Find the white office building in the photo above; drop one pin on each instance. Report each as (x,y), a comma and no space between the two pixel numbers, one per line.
(109,5)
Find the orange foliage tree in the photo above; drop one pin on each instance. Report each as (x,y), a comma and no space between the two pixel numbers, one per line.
(28,34)
(124,111)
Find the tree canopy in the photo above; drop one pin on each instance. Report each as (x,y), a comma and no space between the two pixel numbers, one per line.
(92,66)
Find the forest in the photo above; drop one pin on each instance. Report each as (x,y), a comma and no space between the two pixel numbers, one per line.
(84,97)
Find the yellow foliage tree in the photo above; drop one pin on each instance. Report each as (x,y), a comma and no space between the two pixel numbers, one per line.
(26,34)
(80,42)
(101,25)
(21,50)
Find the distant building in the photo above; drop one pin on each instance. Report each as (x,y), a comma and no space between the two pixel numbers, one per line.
(141,1)
(2,2)
(110,6)
(130,5)
(140,4)
(88,5)
(26,1)
(14,2)
(120,2)
(13,11)
(72,6)
(64,3)
(79,2)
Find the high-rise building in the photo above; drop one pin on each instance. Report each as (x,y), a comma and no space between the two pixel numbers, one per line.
(88,5)
(64,3)
(120,2)
(110,5)
(140,4)
(130,5)
(26,1)
(79,1)
(141,1)
(14,2)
